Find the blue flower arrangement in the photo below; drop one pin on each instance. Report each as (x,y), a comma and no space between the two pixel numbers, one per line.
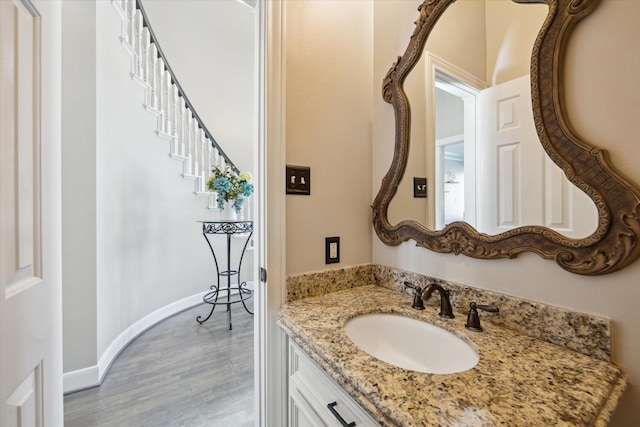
(230,187)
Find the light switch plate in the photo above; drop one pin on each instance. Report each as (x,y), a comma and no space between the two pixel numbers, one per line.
(419,187)
(298,180)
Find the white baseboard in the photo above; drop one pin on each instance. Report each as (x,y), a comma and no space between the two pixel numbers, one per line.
(80,379)
(94,375)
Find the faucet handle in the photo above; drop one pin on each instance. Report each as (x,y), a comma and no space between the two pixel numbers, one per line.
(412,286)
(418,304)
(473,319)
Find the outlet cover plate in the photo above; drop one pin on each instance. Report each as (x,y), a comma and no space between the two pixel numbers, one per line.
(332,250)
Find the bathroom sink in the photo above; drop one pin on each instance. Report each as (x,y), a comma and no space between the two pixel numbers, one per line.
(411,344)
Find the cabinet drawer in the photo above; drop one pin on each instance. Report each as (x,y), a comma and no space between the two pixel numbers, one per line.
(311,389)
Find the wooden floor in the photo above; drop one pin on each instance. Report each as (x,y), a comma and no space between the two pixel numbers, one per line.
(177,373)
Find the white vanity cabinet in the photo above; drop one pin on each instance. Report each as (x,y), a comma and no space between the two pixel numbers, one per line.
(311,391)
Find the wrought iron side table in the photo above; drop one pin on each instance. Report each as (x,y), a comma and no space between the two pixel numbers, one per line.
(219,294)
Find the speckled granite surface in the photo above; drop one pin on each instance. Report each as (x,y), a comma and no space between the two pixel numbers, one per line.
(322,282)
(584,333)
(519,381)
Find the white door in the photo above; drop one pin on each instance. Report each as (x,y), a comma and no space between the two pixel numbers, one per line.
(30,338)
(517,183)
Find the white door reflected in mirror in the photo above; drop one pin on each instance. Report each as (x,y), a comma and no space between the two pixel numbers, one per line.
(472,129)
(515,182)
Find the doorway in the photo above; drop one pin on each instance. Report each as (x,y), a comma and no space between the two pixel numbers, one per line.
(117,303)
(451,142)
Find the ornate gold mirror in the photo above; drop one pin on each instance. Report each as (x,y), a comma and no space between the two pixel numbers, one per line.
(611,241)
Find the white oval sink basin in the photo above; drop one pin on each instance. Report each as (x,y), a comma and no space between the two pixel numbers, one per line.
(411,344)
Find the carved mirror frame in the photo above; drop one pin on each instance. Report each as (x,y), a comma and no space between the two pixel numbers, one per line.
(612,246)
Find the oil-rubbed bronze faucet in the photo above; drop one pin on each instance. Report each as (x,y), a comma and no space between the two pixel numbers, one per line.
(445,303)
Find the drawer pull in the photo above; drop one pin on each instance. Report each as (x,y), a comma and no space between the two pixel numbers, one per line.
(335,413)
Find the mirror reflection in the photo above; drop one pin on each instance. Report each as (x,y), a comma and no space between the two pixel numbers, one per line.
(472,132)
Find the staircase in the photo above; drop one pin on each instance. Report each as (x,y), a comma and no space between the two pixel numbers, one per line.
(190,140)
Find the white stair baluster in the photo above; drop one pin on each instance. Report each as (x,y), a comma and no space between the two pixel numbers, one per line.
(160,92)
(203,160)
(198,162)
(216,156)
(162,105)
(170,104)
(152,100)
(175,105)
(183,128)
(190,144)
(196,149)
(209,149)
(166,110)
(212,153)
(175,146)
(131,24)
(138,43)
(146,41)
(131,10)
(187,142)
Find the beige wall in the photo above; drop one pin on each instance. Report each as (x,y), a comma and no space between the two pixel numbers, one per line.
(328,128)
(602,92)
(460,36)
(511,27)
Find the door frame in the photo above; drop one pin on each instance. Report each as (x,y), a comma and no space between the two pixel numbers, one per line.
(447,76)
(270,342)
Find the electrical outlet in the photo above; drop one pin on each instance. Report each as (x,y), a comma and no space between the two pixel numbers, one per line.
(332,250)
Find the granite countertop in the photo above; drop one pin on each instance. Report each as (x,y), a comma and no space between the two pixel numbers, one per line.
(519,380)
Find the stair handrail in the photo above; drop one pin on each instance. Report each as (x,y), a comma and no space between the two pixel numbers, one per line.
(181,92)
